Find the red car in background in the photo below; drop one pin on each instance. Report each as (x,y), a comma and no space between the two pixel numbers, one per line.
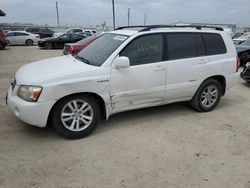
(3,41)
(74,48)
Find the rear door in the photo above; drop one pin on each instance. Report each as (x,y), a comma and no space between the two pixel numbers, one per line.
(187,64)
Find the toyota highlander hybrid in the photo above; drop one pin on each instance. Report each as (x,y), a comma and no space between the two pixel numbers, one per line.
(125,69)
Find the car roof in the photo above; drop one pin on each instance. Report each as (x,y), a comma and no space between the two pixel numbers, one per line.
(19,32)
(129,31)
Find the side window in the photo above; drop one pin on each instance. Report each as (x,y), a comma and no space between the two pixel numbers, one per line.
(22,34)
(181,45)
(76,37)
(214,44)
(145,49)
(77,30)
(66,36)
(10,34)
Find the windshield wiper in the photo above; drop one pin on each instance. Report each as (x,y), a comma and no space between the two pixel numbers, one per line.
(82,59)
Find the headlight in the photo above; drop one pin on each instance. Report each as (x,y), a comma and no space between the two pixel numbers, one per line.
(29,93)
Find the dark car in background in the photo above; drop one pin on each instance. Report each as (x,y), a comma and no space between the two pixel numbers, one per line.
(3,41)
(245,74)
(243,51)
(59,42)
(42,32)
(74,48)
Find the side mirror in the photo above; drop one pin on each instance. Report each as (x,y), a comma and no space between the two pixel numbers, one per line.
(121,62)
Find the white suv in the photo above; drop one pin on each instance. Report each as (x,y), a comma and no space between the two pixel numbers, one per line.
(122,70)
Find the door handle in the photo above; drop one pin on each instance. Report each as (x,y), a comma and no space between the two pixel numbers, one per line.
(159,68)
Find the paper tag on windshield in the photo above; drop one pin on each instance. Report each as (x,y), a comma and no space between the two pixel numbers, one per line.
(122,38)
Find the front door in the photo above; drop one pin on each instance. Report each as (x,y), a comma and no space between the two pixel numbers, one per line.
(143,83)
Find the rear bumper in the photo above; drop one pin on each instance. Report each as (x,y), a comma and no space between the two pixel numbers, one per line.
(233,79)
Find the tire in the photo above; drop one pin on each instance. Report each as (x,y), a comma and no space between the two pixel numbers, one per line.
(48,45)
(76,122)
(29,42)
(207,96)
(2,46)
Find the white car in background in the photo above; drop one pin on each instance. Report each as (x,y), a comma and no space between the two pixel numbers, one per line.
(242,38)
(21,38)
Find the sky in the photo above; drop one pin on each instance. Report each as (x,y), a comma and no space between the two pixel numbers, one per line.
(93,12)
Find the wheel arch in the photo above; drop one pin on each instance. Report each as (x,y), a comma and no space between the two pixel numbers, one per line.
(221,79)
(98,98)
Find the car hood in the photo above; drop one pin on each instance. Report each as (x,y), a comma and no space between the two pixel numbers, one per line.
(50,69)
(242,48)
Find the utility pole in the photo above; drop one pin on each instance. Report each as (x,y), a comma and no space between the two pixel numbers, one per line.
(145,19)
(128,16)
(113,5)
(58,23)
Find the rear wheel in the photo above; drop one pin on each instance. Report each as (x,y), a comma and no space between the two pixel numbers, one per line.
(208,96)
(29,42)
(48,45)
(76,116)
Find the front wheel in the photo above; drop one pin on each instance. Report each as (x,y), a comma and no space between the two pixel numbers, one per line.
(76,116)
(208,96)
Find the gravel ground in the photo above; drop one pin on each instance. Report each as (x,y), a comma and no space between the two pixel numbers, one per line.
(167,146)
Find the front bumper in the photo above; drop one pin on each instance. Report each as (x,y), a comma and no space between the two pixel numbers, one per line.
(41,43)
(33,113)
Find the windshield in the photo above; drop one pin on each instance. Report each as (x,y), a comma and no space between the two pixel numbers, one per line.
(98,51)
(246,43)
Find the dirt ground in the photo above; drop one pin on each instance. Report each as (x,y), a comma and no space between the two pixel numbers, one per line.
(168,146)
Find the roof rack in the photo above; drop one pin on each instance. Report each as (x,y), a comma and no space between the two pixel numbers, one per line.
(149,27)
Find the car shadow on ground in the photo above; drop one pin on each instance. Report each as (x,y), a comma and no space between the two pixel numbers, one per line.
(116,121)
(151,114)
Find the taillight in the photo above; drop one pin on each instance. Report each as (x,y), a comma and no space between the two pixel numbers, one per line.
(71,50)
(237,64)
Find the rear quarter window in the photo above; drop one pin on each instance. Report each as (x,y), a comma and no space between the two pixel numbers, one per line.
(185,45)
(214,44)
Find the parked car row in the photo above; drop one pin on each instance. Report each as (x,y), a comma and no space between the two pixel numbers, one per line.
(42,32)
(58,42)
